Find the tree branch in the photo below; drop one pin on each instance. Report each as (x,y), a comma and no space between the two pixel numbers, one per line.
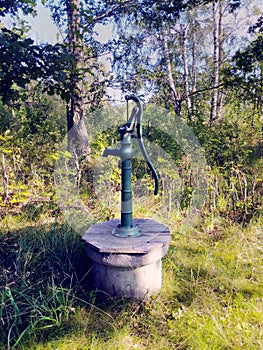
(110,11)
(206,89)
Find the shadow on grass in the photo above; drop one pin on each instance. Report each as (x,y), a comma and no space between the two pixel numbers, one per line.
(47,290)
(44,276)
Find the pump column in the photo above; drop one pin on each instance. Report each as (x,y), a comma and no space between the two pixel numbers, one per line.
(126,194)
(126,227)
(126,178)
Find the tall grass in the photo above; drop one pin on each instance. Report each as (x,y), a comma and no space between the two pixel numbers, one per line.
(212,295)
(43,271)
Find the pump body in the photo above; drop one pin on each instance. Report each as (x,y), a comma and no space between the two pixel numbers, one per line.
(125,153)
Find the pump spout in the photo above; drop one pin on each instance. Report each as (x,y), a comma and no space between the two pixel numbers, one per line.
(111,152)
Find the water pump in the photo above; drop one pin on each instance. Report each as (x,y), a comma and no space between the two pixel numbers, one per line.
(134,124)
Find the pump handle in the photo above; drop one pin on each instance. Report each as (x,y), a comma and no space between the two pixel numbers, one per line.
(138,118)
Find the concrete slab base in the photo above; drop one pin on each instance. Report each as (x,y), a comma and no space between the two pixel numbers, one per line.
(127,267)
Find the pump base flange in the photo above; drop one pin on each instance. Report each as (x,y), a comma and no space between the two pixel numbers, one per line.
(126,232)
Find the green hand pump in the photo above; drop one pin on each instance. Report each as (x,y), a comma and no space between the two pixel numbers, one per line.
(125,153)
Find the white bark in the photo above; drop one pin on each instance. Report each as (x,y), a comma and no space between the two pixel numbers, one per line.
(175,95)
(216,58)
(184,33)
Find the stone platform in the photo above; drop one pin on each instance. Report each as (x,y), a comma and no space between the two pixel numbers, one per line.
(127,267)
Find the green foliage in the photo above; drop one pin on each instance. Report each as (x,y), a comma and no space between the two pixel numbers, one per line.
(258,26)
(245,71)
(23,62)
(30,136)
(234,153)
(12,7)
(19,63)
(246,60)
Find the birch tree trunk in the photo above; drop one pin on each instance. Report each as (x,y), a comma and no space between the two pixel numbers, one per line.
(217,97)
(175,95)
(184,35)
(220,55)
(77,132)
(194,61)
(194,64)
(216,58)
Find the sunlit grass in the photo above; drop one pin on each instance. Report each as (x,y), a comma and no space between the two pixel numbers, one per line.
(212,294)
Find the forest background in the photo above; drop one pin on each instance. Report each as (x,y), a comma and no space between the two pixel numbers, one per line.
(193,63)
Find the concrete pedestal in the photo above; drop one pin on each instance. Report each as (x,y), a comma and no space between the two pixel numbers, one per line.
(127,267)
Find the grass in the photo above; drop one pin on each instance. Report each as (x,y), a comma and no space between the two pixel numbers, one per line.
(212,295)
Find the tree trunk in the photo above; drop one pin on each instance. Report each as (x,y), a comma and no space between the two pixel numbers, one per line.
(5,181)
(194,63)
(175,95)
(220,55)
(184,34)
(216,59)
(77,132)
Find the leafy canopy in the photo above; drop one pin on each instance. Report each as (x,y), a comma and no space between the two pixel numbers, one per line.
(12,7)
